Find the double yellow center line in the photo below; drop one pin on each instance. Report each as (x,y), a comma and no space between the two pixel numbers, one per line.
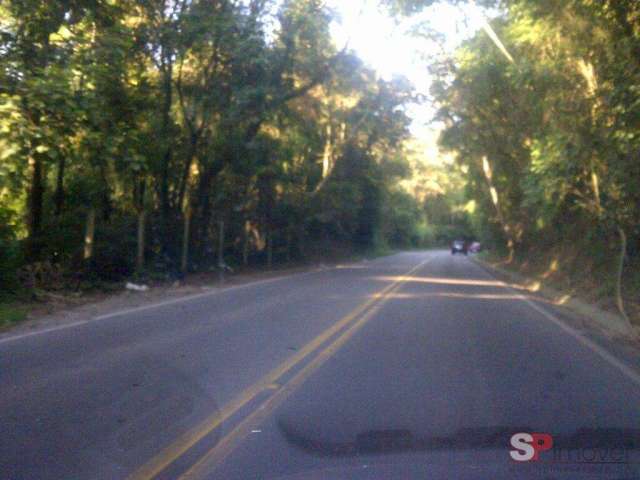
(186,441)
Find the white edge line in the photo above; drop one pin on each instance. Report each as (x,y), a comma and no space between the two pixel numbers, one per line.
(168,302)
(210,293)
(623,367)
(43,331)
(225,289)
(158,305)
(603,353)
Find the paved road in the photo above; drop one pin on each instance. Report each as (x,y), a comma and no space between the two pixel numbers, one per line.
(418,365)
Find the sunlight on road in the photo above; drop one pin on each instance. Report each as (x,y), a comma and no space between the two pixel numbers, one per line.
(475,296)
(456,295)
(451,281)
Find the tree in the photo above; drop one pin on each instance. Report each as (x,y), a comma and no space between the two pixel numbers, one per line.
(131,130)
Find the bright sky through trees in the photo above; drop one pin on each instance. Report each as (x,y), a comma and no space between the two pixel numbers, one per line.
(387,44)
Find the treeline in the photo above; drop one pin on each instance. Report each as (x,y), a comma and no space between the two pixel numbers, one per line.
(548,129)
(136,134)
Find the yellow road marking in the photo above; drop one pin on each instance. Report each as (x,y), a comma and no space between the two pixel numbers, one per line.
(207,464)
(187,440)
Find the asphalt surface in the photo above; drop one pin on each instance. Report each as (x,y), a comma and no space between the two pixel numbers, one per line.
(417,365)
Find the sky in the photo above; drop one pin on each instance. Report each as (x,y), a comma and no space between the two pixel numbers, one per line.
(387,45)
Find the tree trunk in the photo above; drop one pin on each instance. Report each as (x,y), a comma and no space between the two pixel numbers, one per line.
(301,239)
(245,244)
(141,240)
(59,196)
(184,177)
(221,265)
(623,254)
(165,205)
(495,199)
(186,230)
(327,154)
(36,195)
(269,249)
(289,243)
(140,188)
(89,234)
(34,64)
(204,202)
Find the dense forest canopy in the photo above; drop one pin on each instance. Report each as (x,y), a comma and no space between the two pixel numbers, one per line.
(550,138)
(542,111)
(135,134)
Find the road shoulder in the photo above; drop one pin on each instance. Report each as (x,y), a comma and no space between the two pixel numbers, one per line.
(69,311)
(603,328)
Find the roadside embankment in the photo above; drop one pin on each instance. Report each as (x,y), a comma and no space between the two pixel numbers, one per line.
(580,287)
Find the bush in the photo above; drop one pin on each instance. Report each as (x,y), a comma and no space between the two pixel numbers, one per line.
(10,252)
(11,314)
(425,235)
(115,249)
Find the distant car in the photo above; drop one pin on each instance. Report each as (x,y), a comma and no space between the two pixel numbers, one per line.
(475,247)
(458,246)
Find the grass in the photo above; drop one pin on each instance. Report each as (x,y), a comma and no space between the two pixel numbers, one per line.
(10,314)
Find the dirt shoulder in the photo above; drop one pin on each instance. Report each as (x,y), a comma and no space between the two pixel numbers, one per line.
(60,308)
(605,327)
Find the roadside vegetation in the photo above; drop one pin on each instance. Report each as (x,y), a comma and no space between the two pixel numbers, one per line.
(544,118)
(148,139)
(11,313)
